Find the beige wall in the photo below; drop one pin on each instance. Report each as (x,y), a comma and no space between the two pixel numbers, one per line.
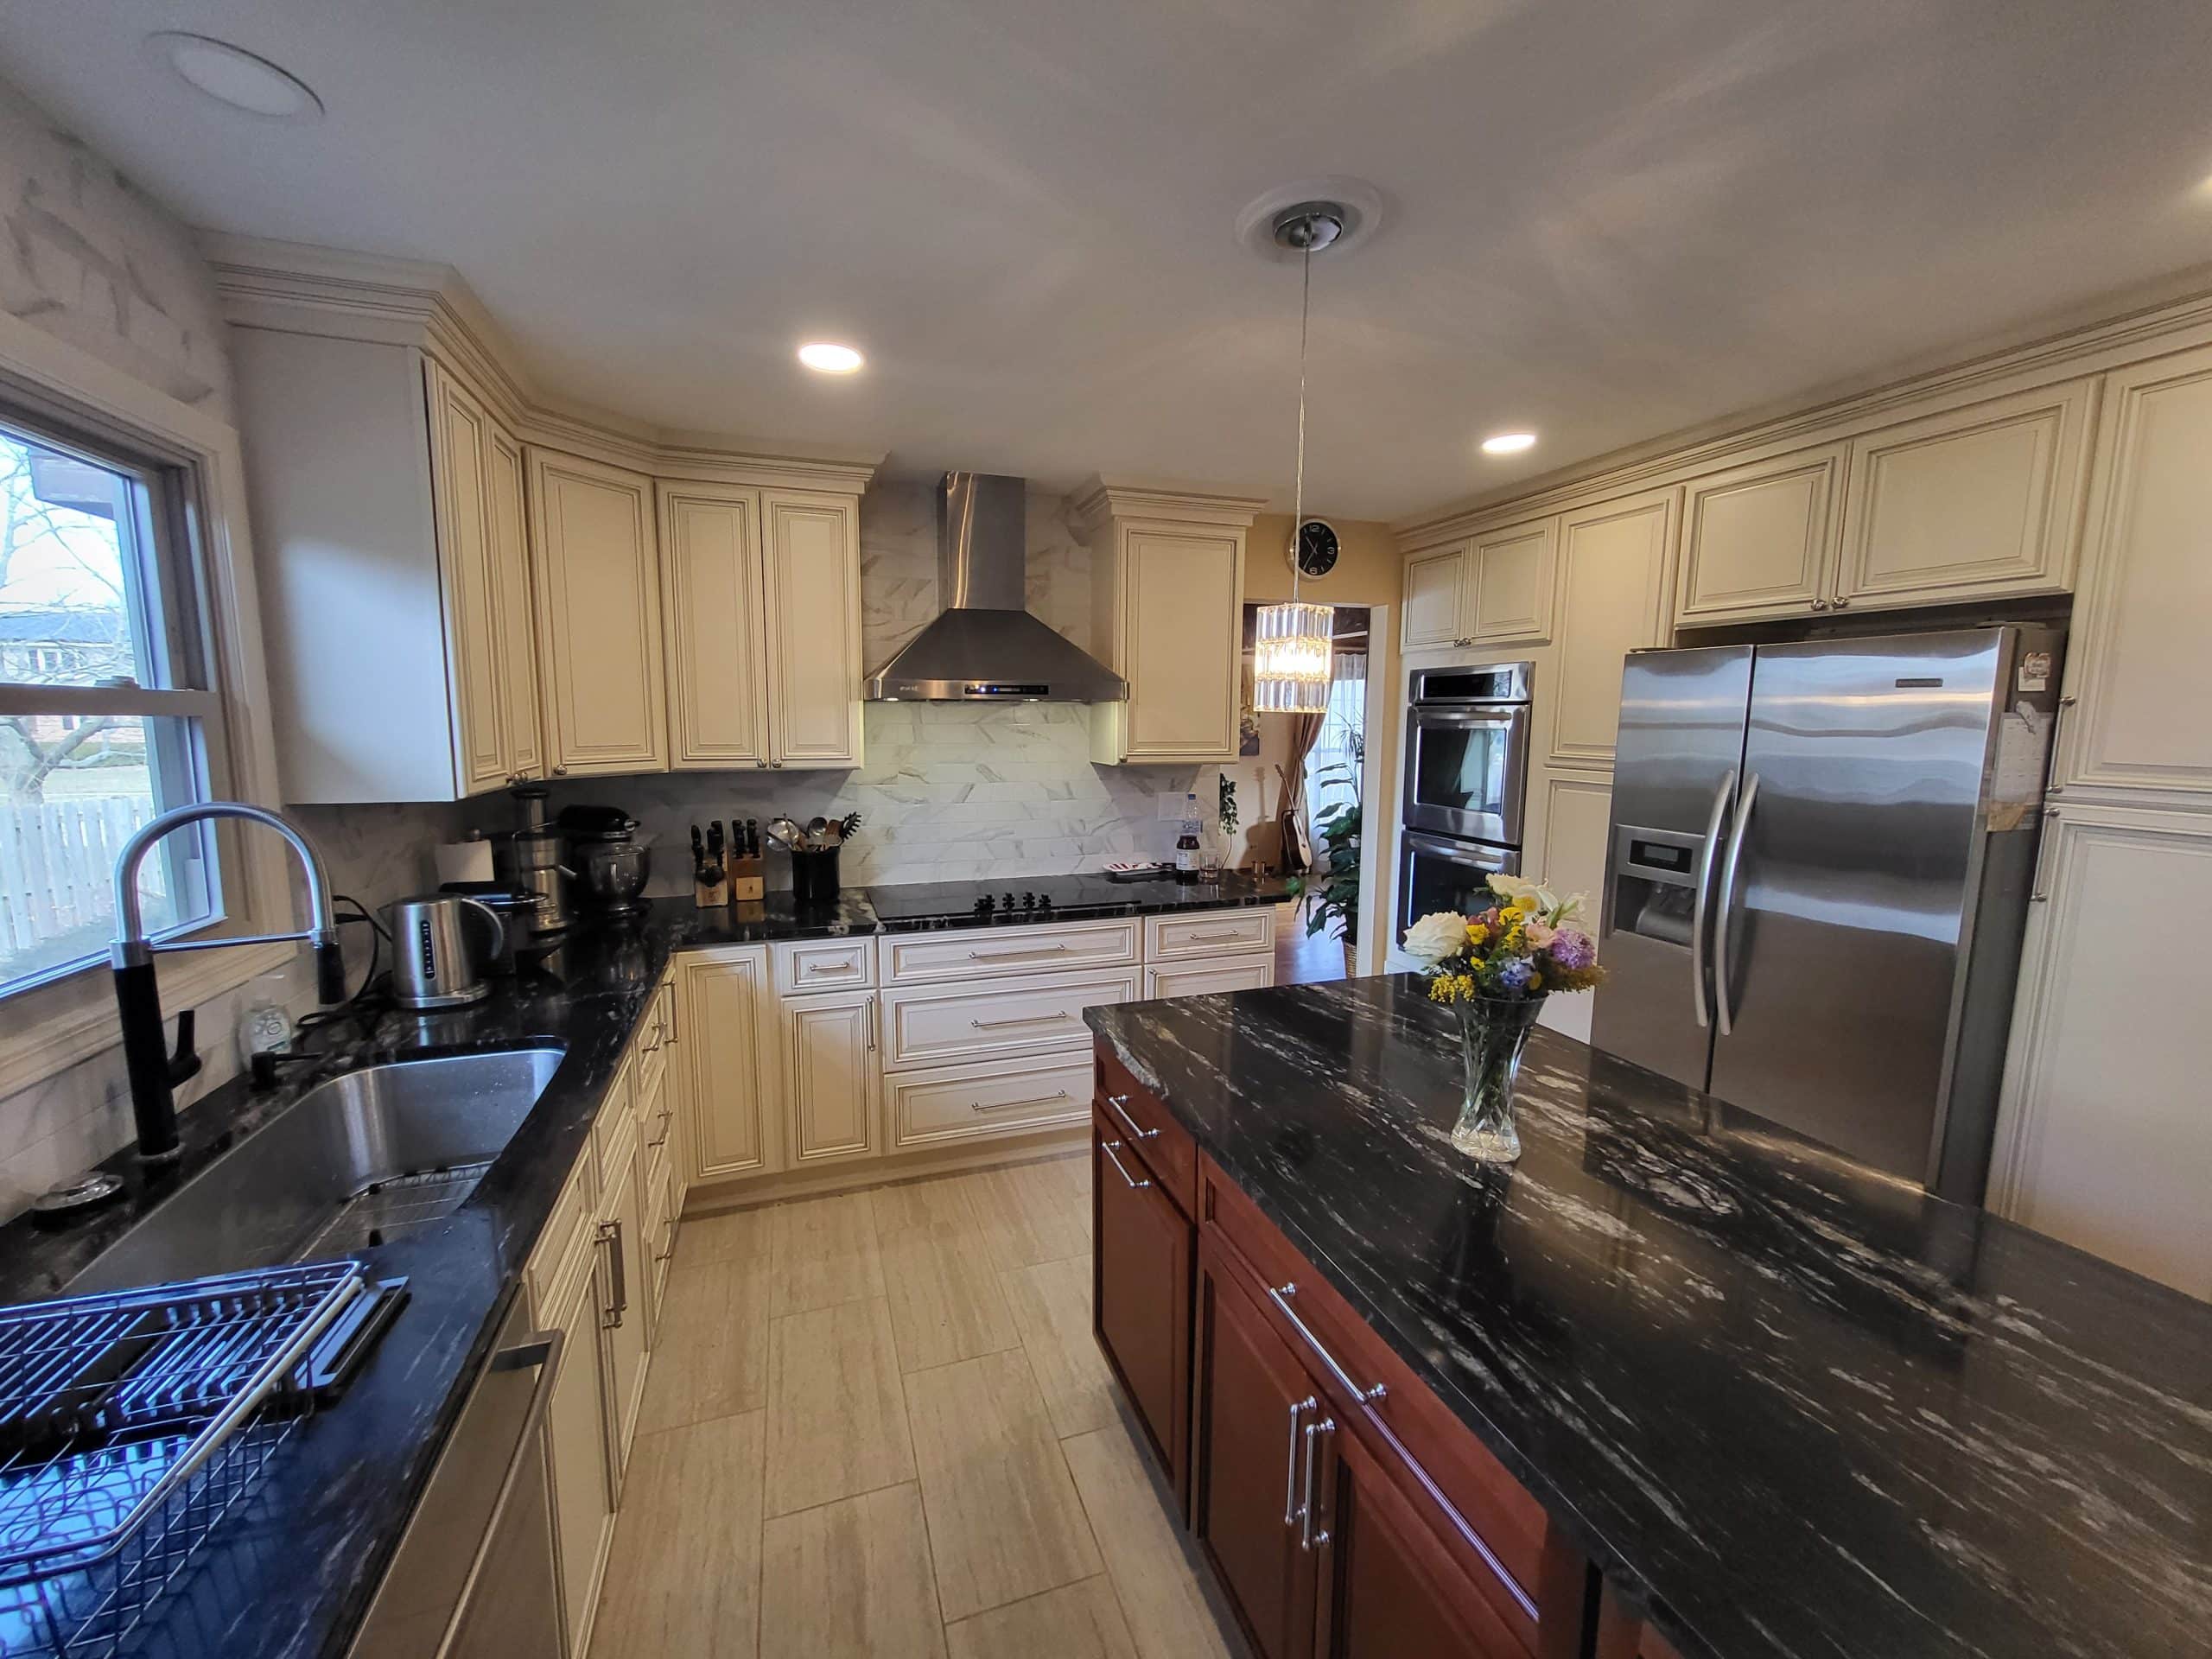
(1366,573)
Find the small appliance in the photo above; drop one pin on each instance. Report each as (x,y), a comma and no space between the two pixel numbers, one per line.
(434,964)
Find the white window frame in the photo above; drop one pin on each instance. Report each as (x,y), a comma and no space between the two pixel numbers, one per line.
(47,1028)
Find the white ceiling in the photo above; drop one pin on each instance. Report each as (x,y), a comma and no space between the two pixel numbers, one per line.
(1606,219)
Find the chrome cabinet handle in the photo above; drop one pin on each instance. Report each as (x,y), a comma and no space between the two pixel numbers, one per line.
(1698,907)
(1008,1105)
(667,1112)
(1107,1147)
(2039,893)
(1820,604)
(560,771)
(1725,906)
(1031,1019)
(2050,784)
(1119,1103)
(1840,601)
(610,1234)
(1290,1460)
(1282,1295)
(1016,956)
(1307,1537)
(1213,939)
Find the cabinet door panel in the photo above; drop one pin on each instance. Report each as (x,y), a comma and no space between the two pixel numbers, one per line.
(814,609)
(518,609)
(576,1437)
(717,626)
(1511,575)
(592,539)
(459,430)
(1243,1472)
(2113,1160)
(1758,541)
(1433,578)
(623,1220)
(2138,657)
(1141,1294)
(728,1130)
(1614,581)
(1183,621)
(833,1077)
(1968,504)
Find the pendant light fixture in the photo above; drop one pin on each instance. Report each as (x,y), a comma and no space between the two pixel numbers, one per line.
(1290,642)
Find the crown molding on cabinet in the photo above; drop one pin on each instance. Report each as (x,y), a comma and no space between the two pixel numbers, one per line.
(296,288)
(2174,314)
(1102,498)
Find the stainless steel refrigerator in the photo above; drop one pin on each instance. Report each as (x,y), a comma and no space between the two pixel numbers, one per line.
(1819,872)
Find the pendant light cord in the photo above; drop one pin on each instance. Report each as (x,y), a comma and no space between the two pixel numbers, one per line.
(1298,489)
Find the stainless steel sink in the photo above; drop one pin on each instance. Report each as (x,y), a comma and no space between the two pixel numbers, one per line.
(359,1158)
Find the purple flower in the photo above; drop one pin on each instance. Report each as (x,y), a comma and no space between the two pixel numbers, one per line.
(1515,974)
(1573,949)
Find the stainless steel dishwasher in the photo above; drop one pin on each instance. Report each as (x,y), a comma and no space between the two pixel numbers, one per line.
(475,1576)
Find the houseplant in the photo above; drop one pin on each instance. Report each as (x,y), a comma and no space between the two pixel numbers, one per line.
(1332,891)
(1494,968)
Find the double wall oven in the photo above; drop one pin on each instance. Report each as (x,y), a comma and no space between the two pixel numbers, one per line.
(1465,776)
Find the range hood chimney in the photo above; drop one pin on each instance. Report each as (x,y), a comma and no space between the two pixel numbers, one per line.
(985,646)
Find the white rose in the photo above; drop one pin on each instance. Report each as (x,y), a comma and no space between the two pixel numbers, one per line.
(1511,889)
(1433,938)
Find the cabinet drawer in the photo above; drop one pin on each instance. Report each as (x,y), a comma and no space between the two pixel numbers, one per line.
(971,1103)
(1211,933)
(1424,1450)
(570,1221)
(1014,1016)
(824,964)
(974,952)
(1164,1145)
(614,1132)
(1248,973)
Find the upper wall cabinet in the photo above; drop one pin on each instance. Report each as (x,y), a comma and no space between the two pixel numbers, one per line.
(395,591)
(813,588)
(1974,502)
(1615,573)
(1430,612)
(1760,540)
(2139,680)
(599,625)
(1493,588)
(1168,573)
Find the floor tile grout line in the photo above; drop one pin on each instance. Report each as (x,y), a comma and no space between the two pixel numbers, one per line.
(913,1480)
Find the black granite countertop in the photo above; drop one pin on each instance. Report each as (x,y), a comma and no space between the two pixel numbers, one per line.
(1793,1407)
(291,1573)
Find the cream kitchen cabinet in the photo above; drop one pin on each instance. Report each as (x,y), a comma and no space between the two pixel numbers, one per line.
(2103,1137)
(1168,570)
(726,1128)
(1760,541)
(763,625)
(834,1081)
(2139,678)
(577,1443)
(1975,503)
(1492,588)
(393,556)
(1435,576)
(594,555)
(1616,567)
(619,1234)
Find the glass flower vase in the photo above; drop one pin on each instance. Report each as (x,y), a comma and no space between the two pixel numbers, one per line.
(1492,1033)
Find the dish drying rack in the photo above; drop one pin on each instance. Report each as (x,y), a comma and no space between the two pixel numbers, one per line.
(130,1424)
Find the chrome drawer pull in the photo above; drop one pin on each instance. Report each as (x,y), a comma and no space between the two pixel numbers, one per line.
(1107,1147)
(1290,1461)
(1119,1103)
(1282,1296)
(1016,956)
(1214,938)
(1307,1538)
(1032,1019)
(1008,1105)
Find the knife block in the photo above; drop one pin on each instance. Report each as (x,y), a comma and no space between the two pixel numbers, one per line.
(709,895)
(748,878)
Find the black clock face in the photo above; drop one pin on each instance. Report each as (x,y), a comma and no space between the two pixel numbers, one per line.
(1317,548)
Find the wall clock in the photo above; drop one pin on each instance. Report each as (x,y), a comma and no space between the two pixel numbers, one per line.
(1314,551)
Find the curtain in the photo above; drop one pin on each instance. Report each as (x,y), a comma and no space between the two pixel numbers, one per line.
(1339,747)
(1305,731)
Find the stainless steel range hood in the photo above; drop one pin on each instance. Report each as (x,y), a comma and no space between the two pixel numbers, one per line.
(986,647)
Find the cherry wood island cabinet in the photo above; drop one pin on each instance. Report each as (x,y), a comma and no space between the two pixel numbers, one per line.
(1342,1509)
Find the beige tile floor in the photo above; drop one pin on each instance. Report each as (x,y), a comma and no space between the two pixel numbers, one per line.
(877,1425)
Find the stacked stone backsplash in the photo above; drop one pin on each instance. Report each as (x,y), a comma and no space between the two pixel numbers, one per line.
(951,791)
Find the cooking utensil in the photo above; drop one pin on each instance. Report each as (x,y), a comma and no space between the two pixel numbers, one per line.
(817,828)
(786,834)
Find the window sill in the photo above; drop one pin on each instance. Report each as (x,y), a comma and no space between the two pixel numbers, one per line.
(64,1024)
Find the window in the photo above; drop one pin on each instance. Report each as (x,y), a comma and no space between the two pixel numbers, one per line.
(108,716)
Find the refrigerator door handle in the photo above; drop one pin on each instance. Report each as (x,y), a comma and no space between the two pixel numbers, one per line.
(1698,943)
(1725,908)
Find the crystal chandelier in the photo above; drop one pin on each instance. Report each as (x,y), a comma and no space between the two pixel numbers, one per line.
(1290,642)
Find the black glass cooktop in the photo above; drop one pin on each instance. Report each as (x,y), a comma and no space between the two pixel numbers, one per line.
(923,905)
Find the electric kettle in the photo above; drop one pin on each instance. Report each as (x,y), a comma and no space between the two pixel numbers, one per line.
(433,966)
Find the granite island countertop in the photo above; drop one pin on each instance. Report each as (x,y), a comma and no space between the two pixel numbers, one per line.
(291,1573)
(1792,1406)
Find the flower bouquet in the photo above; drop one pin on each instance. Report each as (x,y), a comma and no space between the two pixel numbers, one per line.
(1495,969)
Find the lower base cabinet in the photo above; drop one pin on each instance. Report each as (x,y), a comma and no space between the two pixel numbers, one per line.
(576,1441)
(1140,1285)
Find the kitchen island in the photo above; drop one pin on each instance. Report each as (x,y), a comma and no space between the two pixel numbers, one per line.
(1779,1403)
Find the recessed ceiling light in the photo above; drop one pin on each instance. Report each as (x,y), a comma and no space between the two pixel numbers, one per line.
(1509,443)
(237,78)
(827,358)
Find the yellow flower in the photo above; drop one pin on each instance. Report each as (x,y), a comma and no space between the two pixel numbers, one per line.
(1512,914)
(1535,982)
(1477,933)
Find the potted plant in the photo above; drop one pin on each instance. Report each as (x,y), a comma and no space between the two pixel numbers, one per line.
(1330,891)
